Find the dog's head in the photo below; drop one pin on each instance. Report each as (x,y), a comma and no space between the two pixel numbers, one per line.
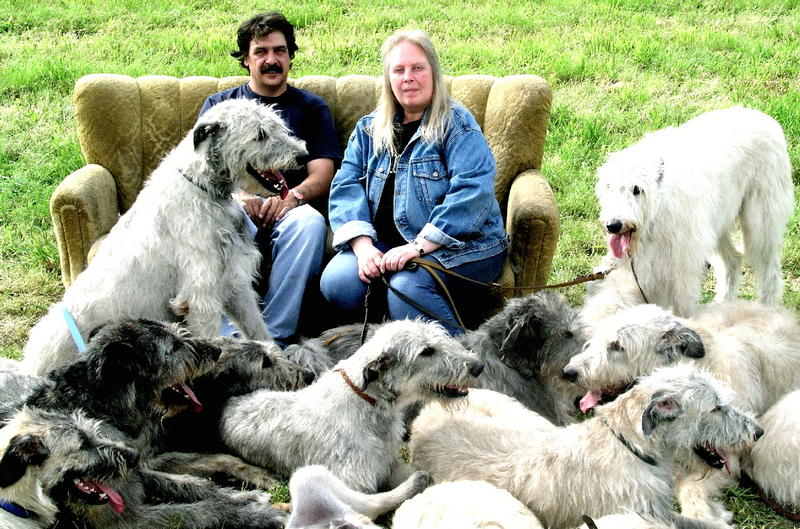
(686,408)
(240,137)
(627,188)
(406,359)
(630,344)
(52,460)
(535,332)
(155,359)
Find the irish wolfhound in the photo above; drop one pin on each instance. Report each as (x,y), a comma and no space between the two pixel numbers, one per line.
(524,347)
(50,457)
(753,348)
(348,420)
(773,463)
(621,460)
(185,207)
(670,202)
(466,505)
(320,500)
(77,472)
(192,443)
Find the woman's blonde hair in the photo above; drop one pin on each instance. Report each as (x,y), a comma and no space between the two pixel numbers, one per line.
(383,126)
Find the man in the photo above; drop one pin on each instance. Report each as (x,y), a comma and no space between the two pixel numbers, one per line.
(294,232)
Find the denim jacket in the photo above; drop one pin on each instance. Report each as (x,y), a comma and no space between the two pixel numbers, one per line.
(443,192)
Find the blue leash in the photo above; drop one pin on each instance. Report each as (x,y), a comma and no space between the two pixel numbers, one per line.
(73,329)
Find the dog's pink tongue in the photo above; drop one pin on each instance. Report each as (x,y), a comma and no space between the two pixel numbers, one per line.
(279,180)
(590,400)
(197,407)
(619,243)
(113,497)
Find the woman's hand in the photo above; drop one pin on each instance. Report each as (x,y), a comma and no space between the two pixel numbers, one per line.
(368,256)
(395,259)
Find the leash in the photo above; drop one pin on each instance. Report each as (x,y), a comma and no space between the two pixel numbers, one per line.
(636,278)
(746,481)
(73,329)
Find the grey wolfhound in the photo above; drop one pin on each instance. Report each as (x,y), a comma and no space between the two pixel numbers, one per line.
(181,250)
(524,347)
(349,419)
(69,470)
(320,500)
(621,460)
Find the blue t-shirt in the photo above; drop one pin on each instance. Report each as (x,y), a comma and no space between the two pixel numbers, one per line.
(307,115)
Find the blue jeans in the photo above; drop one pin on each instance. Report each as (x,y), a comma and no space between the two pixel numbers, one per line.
(297,244)
(342,287)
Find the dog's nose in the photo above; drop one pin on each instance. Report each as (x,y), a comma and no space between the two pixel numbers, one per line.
(309,377)
(759,432)
(476,369)
(614,226)
(570,373)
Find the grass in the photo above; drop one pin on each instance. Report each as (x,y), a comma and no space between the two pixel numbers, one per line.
(618,68)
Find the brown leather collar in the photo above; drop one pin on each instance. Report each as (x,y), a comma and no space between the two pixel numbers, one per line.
(355,388)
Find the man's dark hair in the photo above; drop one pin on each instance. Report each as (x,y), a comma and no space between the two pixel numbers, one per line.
(259,26)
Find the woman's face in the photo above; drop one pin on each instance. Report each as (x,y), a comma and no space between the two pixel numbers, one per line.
(411,79)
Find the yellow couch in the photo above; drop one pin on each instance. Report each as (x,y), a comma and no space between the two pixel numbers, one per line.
(126,125)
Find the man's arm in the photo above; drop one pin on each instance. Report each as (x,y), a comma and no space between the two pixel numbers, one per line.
(318,182)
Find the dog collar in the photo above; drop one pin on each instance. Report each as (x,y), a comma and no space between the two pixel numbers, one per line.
(355,388)
(647,459)
(15,509)
(188,179)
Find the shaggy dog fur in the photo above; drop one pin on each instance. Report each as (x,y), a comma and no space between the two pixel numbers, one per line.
(524,348)
(182,250)
(670,202)
(621,460)
(464,505)
(774,462)
(77,472)
(348,420)
(320,500)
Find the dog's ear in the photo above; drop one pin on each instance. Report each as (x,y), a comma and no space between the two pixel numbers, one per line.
(202,132)
(661,408)
(680,340)
(23,451)
(374,369)
(116,362)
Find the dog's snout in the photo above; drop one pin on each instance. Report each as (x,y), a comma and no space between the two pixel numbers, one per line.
(476,369)
(615,226)
(570,374)
(308,377)
(759,432)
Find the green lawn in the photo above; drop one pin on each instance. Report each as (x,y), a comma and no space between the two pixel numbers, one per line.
(618,68)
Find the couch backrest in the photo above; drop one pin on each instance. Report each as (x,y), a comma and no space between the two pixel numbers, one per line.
(128,124)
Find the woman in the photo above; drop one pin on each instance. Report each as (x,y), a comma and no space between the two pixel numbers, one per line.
(417,179)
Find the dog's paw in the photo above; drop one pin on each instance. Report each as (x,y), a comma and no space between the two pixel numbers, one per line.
(420,481)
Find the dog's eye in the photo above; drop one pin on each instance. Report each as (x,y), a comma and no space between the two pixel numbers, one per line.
(568,334)
(262,135)
(636,190)
(428,351)
(615,347)
(716,409)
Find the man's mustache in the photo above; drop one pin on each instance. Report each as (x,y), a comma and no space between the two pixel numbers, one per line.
(272,68)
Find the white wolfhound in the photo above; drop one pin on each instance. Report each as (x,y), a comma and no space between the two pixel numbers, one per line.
(670,202)
(182,248)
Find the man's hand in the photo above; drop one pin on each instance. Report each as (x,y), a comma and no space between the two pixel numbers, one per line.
(264,212)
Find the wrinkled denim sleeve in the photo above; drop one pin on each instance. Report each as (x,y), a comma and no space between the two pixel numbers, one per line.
(348,209)
(470,197)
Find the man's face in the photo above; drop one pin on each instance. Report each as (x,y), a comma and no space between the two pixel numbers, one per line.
(268,62)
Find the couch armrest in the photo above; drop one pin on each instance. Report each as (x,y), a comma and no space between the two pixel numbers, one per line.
(533,224)
(83,208)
